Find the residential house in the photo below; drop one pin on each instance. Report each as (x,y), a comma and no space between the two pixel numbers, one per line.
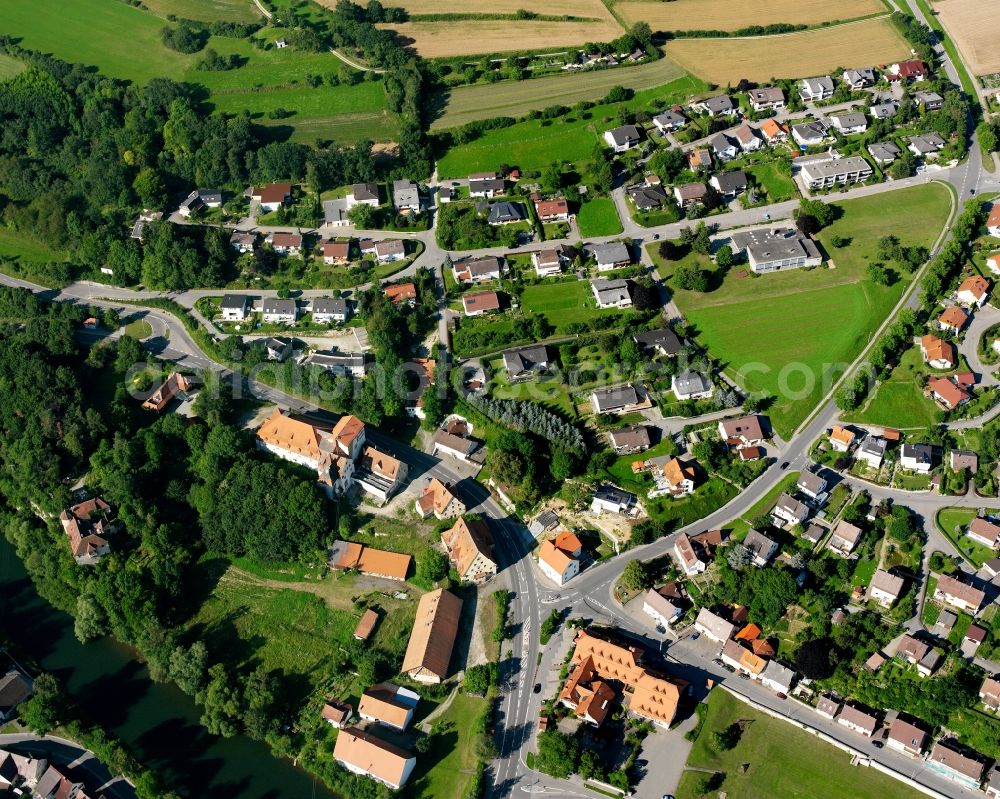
(837,171)
(963,460)
(841,438)
(613,500)
(379,474)
(959,594)
(671,476)
(974,291)
(813,89)
(993,220)
(362,753)
(946,760)
(690,194)
(746,137)
(138,230)
(985,532)
(690,385)
(989,693)
(774,132)
(242,241)
(505,213)
(279,311)
(486,185)
(993,263)
(623,138)
(907,738)
(774,249)
(618,399)
(401,292)
(432,637)
(363,194)
(481,302)
(629,440)
(789,510)
(614,255)
(389,250)
(931,101)
(646,198)
(768,98)
(437,499)
(455,446)
(549,261)
(612,293)
(872,451)
(952,319)
(198,199)
(326,310)
(993,783)
(884,153)
(743,431)
(884,110)
(559,558)
(992,567)
(336,714)
(777,677)
(811,484)
(661,341)
(760,547)
(700,159)
(714,626)
(662,610)
(277,348)
(723,148)
(285,243)
(14,689)
(916,458)
(886,588)
(336,253)
(525,362)
(669,121)
(926,145)
(947,393)
(235,307)
(406,197)
(720,105)
(688,557)
(742,659)
(936,352)
(844,539)
(828,707)
(388,705)
(850,122)
(729,184)
(858,78)
(355,364)
(814,532)
(470,549)
(810,134)
(857,721)
(176,385)
(478,270)
(556,210)
(914,70)
(272,196)
(88,525)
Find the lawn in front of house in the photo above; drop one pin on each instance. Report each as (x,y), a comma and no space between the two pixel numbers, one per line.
(453,753)
(706,499)
(771,179)
(563,302)
(897,401)
(598,217)
(953,522)
(783,760)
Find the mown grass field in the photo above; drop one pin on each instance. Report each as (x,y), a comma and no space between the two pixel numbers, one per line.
(598,217)
(729,15)
(779,186)
(953,522)
(561,303)
(783,761)
(27,248)
(206,10)
(446,38)
(793,55)
(9,67)
(536,143)
(898,401)
(125,42)
(453,754)
(515,98)
(790,334)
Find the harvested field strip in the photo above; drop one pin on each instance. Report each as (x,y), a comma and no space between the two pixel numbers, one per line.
(792,55)
(516,98)
(479,37)
(729,15)
(974,31)
(9,67)
(574,8)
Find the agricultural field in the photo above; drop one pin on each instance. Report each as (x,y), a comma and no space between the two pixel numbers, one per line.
(727,15)
(516,98)
(206,10)
(792,55)
(974,31)
(537,143)
(446,38)
(268,80)
(9,67)
(783,760)
(808,324)
(582,9)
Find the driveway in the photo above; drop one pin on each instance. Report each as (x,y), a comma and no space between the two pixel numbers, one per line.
(664,753)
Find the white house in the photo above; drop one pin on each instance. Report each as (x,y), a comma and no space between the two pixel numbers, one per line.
(984,532)
(916,458)
(362,753)
(993,221)
(559,558)
(278,311)
(548,262)
(326,310)
(687,556)
(974,291)
(816,89)
(235,307)
(690,386)
(872,451)
(958,594)
(624,138)
(363,194)
(713,626)
(777,677)
(790,510)
(886,588)
(857,721)
(659,608)
(613,500)
(850,122)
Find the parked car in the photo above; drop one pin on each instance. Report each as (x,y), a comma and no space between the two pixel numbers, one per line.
(744,675)
(537,689)
(878,744)
(782,696)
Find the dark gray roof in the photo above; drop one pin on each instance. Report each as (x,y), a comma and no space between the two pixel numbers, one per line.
(810,130)
(851,119)
(611,493)
(612,253)
(922,453)
(670,119)
(720,143)
(647,197)
(626,134)
(615,398)
(663,338)
(691,382)
(506,212)
(364,191)
(278,306)
(721,104)
(327,305)
(730,182)
(884,151)
(524,358)
(235,301)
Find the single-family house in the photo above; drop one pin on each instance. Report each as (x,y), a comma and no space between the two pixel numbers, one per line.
(958,594)
(88,525)
(198,199)
(946,760)
(884,153)
(760,547)
(690,194)
(279,311)
(813,89)
(559,558)
(850,122)
(671,476)
(406,197)
(336,253)
(613,500)
(329,309)
(388,705)
(743,431)
(841,438)
(884,110)
(556,210)
(810,134)
(907,738)
(701,159)
(720,105)
(277,348)
(844,539)
(952,319)
(742,659)
(729,184)
(661,609)
(646,197)
(14,689)
(989,693)
(886,588)
(617,399)
(936,352)
(747,138)
(454,446)
(963,460)
(973,291)
(872,450)
(828,707)
(858,721)
(916,458)
(669,121)
(478,270)
(926,145)
(947,393)
(612,293)
(470,549)
(549,261)
(139,231)
(235,307)
(688,557)
(789,510)
(913,69)
(723,148)
(379,474)
(434,631)
(714,626)
(777,677)
(363,194)
(858,78)
(931,101)
(480,302)
(993,220)
(629,440)
(272,196)
(774,132)
(362,753)
(690,385)
(486,185)
(389,250)
(614,255)
(438,500)
(524,362)
(661,341)
(623,138)
(985,532)
(505,213)
(811,484)
(243,241)
(355,364)
(285,243)
(336,714)
(767,98)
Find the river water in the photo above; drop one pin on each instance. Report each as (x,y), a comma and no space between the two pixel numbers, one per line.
(158,722)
